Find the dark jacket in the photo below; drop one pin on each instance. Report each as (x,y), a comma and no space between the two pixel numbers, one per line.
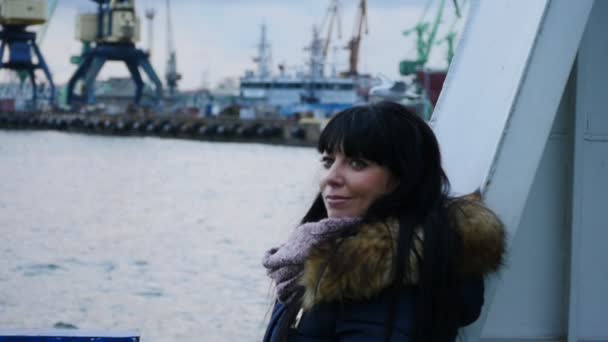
(347,291)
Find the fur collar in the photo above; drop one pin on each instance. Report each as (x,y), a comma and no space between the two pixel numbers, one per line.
(359,266)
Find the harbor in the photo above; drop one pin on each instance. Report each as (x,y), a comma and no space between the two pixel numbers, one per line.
(270,102)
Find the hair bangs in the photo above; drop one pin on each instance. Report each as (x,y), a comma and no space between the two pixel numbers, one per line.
(357,134)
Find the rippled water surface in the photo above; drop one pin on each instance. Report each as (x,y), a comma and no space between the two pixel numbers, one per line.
(163,236)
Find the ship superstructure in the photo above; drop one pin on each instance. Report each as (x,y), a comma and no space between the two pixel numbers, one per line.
(309,91)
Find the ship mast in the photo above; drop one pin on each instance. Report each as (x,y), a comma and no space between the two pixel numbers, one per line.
(264,57)
(150,14)
(172,76)
(317,60)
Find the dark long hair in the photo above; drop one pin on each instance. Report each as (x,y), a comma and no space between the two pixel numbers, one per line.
(391,135)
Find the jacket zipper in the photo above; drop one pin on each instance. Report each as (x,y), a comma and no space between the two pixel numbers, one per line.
(296,322)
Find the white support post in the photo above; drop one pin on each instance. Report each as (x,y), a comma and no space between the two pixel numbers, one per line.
(493,121)
(588,301)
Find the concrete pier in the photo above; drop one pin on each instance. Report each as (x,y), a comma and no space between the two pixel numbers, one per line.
(304,132)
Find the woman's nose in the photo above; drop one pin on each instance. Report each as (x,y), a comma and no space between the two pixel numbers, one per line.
(334,176)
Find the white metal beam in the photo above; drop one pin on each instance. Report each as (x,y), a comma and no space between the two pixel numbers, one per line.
(589,264)
(500,100)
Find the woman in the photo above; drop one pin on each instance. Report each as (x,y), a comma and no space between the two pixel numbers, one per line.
(383,254)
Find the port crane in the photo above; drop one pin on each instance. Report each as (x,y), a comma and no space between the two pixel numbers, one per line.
(15,17)
(424,42)
(110,34)
(451,36)
(172,76)
(332,15)
(428,83)
(354,43)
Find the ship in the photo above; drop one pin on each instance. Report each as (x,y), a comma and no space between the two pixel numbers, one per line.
(309,93)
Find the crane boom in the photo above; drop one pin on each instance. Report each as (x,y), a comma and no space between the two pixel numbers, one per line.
(52,6)
(424,44)
(355,42)
(333,13)
(433,34)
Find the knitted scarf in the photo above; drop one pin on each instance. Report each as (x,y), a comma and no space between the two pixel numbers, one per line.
(285,264)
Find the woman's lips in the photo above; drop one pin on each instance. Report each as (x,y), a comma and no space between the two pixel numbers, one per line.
(335,201)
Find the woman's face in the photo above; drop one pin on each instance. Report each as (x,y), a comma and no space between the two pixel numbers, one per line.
(350,185)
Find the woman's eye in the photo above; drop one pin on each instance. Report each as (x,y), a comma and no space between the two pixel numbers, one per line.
(358,164)
(327,162)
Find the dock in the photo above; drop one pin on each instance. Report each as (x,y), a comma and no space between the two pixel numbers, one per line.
(303,132)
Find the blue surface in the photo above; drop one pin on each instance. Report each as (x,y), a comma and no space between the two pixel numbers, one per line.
(66,336)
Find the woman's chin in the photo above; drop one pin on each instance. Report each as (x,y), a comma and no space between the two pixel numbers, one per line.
(340,214)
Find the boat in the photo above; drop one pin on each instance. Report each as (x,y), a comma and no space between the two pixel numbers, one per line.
(301,93)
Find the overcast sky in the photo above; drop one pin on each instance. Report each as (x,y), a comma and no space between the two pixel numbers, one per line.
(217,38)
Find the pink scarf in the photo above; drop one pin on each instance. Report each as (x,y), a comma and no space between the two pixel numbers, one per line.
(285,264)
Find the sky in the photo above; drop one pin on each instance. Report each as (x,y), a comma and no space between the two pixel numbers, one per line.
(216,39)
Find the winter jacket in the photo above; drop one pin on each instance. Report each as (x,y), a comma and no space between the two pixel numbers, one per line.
(347,292)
